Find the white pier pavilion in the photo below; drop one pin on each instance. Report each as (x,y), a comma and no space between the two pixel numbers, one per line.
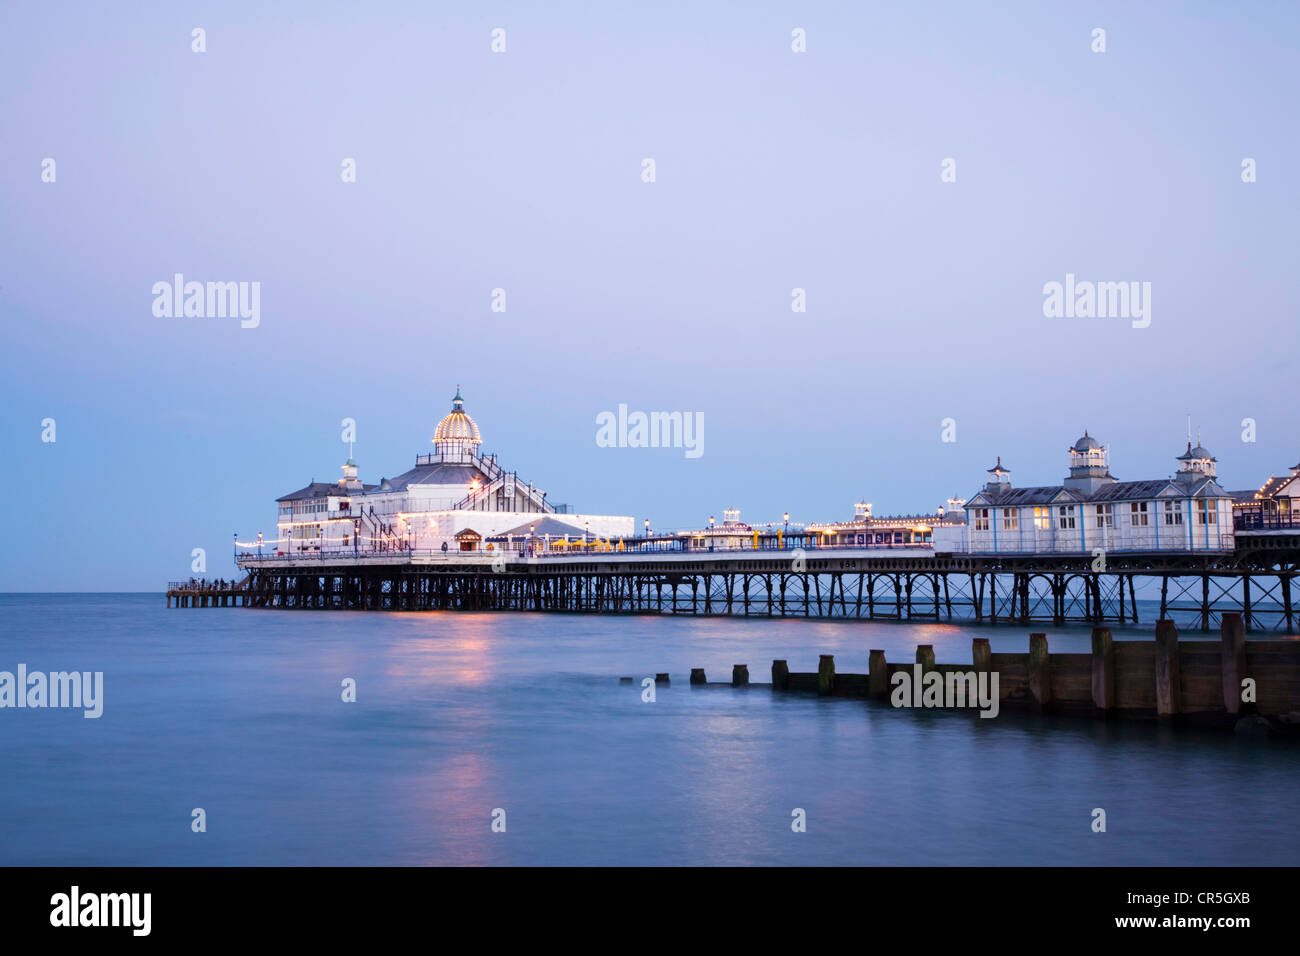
(454,499)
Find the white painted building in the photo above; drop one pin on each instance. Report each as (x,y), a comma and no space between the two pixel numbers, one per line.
(1092,511)
(452,499)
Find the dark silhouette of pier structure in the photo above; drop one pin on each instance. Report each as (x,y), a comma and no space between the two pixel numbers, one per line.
(1255,579)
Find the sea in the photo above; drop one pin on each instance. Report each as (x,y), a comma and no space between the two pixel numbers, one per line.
(226,738)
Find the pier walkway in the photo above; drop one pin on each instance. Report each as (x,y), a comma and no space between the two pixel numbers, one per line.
(906,583)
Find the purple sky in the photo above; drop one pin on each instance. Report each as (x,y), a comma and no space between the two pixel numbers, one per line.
(522,170)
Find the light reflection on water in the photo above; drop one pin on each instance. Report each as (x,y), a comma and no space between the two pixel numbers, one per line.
(239,712)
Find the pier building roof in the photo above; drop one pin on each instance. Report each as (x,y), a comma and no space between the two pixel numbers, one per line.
(438,473)
(1004,496)
(541,528)
(318,489)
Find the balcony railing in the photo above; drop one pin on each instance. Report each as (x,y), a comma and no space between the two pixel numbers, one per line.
(1266,521)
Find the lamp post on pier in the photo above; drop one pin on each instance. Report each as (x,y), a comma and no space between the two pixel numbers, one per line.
(259,544)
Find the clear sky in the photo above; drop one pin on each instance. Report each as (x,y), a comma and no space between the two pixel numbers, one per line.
(522,170)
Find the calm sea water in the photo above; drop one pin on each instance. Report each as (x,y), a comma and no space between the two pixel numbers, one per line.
(240,712)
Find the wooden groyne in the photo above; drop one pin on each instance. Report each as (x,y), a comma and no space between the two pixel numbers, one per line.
(196,593)
(1252,686)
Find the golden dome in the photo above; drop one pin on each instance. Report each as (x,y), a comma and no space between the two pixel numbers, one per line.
(457,426)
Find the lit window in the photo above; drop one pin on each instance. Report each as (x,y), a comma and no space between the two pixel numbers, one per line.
(981,519)
(1042,518)
(1010,519)
(1205,511)
(1137,514)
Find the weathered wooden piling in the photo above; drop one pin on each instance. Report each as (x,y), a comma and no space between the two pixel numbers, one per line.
(1232,661)
(1103,671)
(780,675)
(625,680)
(1040,672)
(1195,680)
(1168,678)
(878,674)
(826,674)
(662,679)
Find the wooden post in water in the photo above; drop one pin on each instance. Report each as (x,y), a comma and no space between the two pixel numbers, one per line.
(924,657)
(1168,681)
(1040,672)
(825,673)
(662,679)
(697,675)
(878,676)
(780,675)
(1103,671)
(1232,658)
(739,675)
(981,655)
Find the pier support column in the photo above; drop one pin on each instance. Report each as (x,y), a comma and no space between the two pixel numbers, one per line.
(780,675)
(1103,671)
(739,675)
(1168,680)
(1232,661)
(878,675)
(826,673)
(1286,602)
(1040,673)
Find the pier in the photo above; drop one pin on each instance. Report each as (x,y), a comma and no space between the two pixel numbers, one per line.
(202,593)
(1197,682)
(911,583)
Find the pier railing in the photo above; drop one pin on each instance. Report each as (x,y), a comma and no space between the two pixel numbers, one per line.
(1267,521)
(631,546)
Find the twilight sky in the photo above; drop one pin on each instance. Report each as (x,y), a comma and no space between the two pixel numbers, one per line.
(522,170)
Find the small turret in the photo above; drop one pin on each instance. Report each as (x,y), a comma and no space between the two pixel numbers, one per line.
(999,477)
(1196,463)
(1089,465)
(350,481)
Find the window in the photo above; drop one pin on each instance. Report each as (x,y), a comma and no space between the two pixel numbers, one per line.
(1205,511)
(1042,519)
(1105,516)
(1137,514)
(1173,513)
(1065,517)
(1010,519)
(981,519)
